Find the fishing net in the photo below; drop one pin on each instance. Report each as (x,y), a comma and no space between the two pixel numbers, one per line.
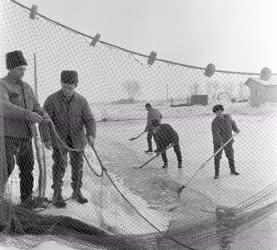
(132,205)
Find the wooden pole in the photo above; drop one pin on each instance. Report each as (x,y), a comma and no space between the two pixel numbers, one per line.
(35,76)
(36,139)
(3,165)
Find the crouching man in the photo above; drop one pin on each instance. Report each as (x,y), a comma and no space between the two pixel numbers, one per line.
(164,135)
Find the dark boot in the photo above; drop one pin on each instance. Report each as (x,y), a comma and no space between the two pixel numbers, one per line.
(180,164)
(232,166)
(165,165)
(58,200)
(149,151)
(28,203)
(78,196)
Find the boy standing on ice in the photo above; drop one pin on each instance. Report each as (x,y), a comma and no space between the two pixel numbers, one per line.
(222,127)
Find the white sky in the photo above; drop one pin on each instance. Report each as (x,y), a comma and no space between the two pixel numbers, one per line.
(234,35)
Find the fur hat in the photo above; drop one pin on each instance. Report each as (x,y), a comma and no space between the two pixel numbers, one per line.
(69,76)
(218,107)
(148,105)
(15,59)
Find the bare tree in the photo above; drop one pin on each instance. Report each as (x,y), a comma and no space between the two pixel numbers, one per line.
(132,88)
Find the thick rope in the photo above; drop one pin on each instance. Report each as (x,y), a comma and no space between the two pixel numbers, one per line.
(82,150)
(131,51)
(113,183)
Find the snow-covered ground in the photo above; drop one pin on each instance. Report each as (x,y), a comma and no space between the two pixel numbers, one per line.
(153,190)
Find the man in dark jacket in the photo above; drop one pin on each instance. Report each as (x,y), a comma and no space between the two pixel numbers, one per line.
(222,127)
(20,111)
(152,114)
(71,116)
(164,135)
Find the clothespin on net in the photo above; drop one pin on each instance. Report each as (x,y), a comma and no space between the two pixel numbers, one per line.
(33,11)
(95,40)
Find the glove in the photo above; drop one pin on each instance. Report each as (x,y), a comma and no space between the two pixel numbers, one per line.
(48,145)
(46,116)
(91,140)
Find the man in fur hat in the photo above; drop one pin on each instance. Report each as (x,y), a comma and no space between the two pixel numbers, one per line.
(20,111)
(222,127)
(71,116)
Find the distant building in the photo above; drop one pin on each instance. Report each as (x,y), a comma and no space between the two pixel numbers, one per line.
(260,92)
(199,100)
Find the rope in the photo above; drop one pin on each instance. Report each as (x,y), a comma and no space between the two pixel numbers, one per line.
(76,150)
(113,183)
(130,51)
(140,214)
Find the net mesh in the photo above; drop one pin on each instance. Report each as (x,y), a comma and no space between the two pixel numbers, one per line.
(130,207)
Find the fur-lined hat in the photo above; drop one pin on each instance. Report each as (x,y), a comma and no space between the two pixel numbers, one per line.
(15,59)
(69,76)
(218,107)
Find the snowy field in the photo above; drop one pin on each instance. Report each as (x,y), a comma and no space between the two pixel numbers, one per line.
(153,190)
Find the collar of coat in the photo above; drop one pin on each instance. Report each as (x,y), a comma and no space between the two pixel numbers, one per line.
(66,98)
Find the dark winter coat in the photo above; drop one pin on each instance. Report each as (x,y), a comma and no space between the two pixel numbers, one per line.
(71,119)
(165,135)
(222,128)
(17,102)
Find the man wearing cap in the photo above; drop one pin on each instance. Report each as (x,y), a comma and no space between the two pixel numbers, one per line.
(164,135)
(21,111)
(222,127)
(152,114)
(71,116)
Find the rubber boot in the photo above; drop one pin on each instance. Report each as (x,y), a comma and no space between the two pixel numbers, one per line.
(78,196)
(148,151)
(58,200)
(232,166)
(165,165)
